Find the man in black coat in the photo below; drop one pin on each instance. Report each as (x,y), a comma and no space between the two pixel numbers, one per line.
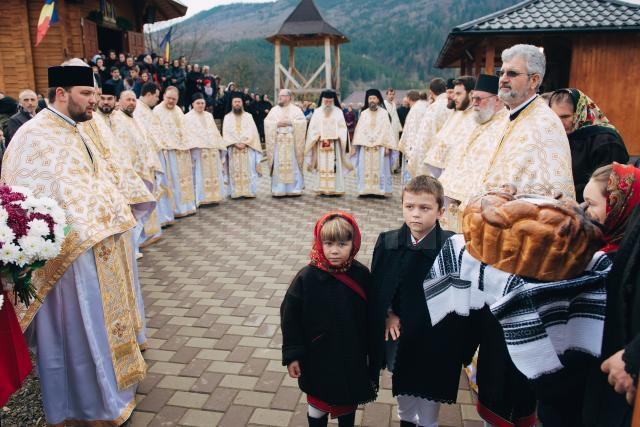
(28,102)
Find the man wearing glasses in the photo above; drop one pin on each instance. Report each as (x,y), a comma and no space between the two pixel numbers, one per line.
(468,166)
(533,153)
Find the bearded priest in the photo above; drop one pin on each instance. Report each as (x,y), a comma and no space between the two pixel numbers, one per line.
(326,146)
(375,147)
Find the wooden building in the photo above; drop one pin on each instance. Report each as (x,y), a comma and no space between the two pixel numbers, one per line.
(84,27)
(592,45)
(305,27)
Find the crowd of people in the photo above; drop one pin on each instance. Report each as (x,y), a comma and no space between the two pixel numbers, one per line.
(128,155)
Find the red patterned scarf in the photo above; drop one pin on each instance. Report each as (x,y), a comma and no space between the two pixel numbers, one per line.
(623,195)
(319,260)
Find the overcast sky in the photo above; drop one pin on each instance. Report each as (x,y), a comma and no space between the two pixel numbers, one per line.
(195,6)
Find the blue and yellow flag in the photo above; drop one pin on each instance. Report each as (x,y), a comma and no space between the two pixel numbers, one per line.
(165,46)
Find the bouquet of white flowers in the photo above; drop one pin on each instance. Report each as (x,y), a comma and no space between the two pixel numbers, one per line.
(32,230)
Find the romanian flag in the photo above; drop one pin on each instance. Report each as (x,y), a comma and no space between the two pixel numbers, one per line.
(48,16)
(165,46)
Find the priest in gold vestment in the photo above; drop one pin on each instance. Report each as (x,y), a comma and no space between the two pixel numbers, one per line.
(207,153)
(244,151)
(390,106)
(533,153)
(83,326)
(159,138)
(412,152)
(470,162)
(455,130)
(326,146)
(430,124)
(285,128)
(375,147)
(126,151)
(146,161)
(179,155)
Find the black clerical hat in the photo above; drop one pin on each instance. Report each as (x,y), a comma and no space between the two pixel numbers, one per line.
(108,89)
(329,94)
(487,83)
(450,84)
(197,96)
(235,95)
(377,94)
(70,75)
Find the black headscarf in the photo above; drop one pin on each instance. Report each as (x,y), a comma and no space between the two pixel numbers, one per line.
(329,94)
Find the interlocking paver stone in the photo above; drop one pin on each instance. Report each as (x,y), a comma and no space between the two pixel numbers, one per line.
(213,286)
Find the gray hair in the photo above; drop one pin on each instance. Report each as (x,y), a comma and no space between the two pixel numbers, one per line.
(532,55)
(26,92)
(285,92)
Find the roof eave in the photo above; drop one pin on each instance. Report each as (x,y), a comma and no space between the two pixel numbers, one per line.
(338,39)
(457,32)
(440,61)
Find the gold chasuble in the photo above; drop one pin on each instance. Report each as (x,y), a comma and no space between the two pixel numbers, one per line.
(158,139)
(432,121)
(533,154)
(241,129)
(467,166)
(409,142)
(395,119)
(326,150)
(119,163)
(455,131)
(130,134)
(282,140)
(173,120)
(372,136)
(56,159)
(202,133)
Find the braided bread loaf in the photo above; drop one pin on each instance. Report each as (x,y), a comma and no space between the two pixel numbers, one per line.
(532,236)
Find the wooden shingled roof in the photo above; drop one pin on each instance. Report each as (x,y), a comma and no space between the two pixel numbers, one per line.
(305,25)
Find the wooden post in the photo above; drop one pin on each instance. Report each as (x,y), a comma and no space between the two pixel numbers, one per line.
(26,36)
(490,56)
(477,62)
(62,21)
(336,53)
(292,65)
(327,62)
(276,74)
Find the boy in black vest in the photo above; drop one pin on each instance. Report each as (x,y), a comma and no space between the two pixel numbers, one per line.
(425,361)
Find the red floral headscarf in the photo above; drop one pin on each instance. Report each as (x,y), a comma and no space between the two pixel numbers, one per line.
(623,195)
(318,259)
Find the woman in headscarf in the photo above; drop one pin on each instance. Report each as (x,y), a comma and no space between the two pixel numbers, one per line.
(593,140)
(612,197)
(324,324)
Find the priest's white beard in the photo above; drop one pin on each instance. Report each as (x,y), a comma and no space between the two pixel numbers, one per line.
(483,115)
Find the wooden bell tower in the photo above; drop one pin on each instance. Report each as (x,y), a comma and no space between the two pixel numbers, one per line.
(305,27)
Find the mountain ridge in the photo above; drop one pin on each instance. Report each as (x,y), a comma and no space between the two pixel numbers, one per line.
(393,42)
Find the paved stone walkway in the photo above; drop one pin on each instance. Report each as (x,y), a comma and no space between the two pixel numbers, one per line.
(212,289)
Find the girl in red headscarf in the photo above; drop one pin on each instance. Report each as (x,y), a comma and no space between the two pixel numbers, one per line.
(324,328)
(610,197)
